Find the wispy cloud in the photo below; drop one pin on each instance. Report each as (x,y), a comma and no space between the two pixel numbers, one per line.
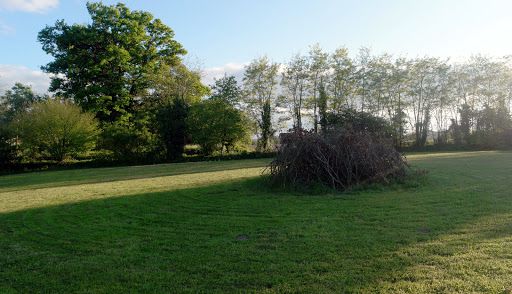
(10,74)
(5,29)
(40,81)
(37,6)
(212,73)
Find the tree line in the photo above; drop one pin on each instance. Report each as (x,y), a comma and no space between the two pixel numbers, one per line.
(424,100)
(120,89)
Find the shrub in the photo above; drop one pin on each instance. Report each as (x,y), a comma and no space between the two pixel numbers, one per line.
(339,160)
(129,143)
(359,122)
(56,130)
(217,126)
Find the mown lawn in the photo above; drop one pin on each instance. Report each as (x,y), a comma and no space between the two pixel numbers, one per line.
(214,227)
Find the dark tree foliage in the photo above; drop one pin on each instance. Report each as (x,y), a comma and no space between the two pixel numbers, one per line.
(455,132)
(106,65)
(487,128)
(358,122)
(7,148)
(466,115)
(265,124)
(398,126)
(129,142)
(323,108)
(339,160)
(172,127)
(422,129)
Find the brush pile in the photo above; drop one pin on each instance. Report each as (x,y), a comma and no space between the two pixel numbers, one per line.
(339,160)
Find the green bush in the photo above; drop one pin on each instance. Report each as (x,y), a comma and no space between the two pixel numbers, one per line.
(129,143)
(358,122)
(217,126)
(55,130)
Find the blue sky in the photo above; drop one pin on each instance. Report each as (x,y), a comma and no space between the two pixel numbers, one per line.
(224,34)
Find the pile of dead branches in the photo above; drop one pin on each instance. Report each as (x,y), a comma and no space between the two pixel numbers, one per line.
(340,160)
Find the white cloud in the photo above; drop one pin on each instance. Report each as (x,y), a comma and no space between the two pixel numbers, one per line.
(212,73)
(29,5)
(40,81)
(6,29)
(11,74)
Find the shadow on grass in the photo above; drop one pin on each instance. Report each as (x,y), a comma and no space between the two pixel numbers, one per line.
(237,236)
(48,179)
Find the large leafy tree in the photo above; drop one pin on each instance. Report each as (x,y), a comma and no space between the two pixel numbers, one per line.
(105,66)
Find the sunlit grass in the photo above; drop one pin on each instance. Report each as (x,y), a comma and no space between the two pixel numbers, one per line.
(205,227)
(95,175)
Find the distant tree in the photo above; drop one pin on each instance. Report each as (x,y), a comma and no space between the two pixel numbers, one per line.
(295,80)
(395,102)
(455,132)
(318,67)
(341,80)
(16,100)
(56,130)
(217,126)
(260,80)
(363,78)
(105,66)
(322,107)
(466,118)
(424,90)
(227,89)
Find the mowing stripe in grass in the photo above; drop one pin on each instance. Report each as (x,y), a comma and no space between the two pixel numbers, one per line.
(31,198)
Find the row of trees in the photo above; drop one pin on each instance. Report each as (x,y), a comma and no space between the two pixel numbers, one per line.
(42,127)
(423,99)
(124,71)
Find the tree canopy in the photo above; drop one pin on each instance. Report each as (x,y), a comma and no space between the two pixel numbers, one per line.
(105,66)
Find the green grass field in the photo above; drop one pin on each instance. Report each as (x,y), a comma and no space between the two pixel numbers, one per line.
(214,227)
